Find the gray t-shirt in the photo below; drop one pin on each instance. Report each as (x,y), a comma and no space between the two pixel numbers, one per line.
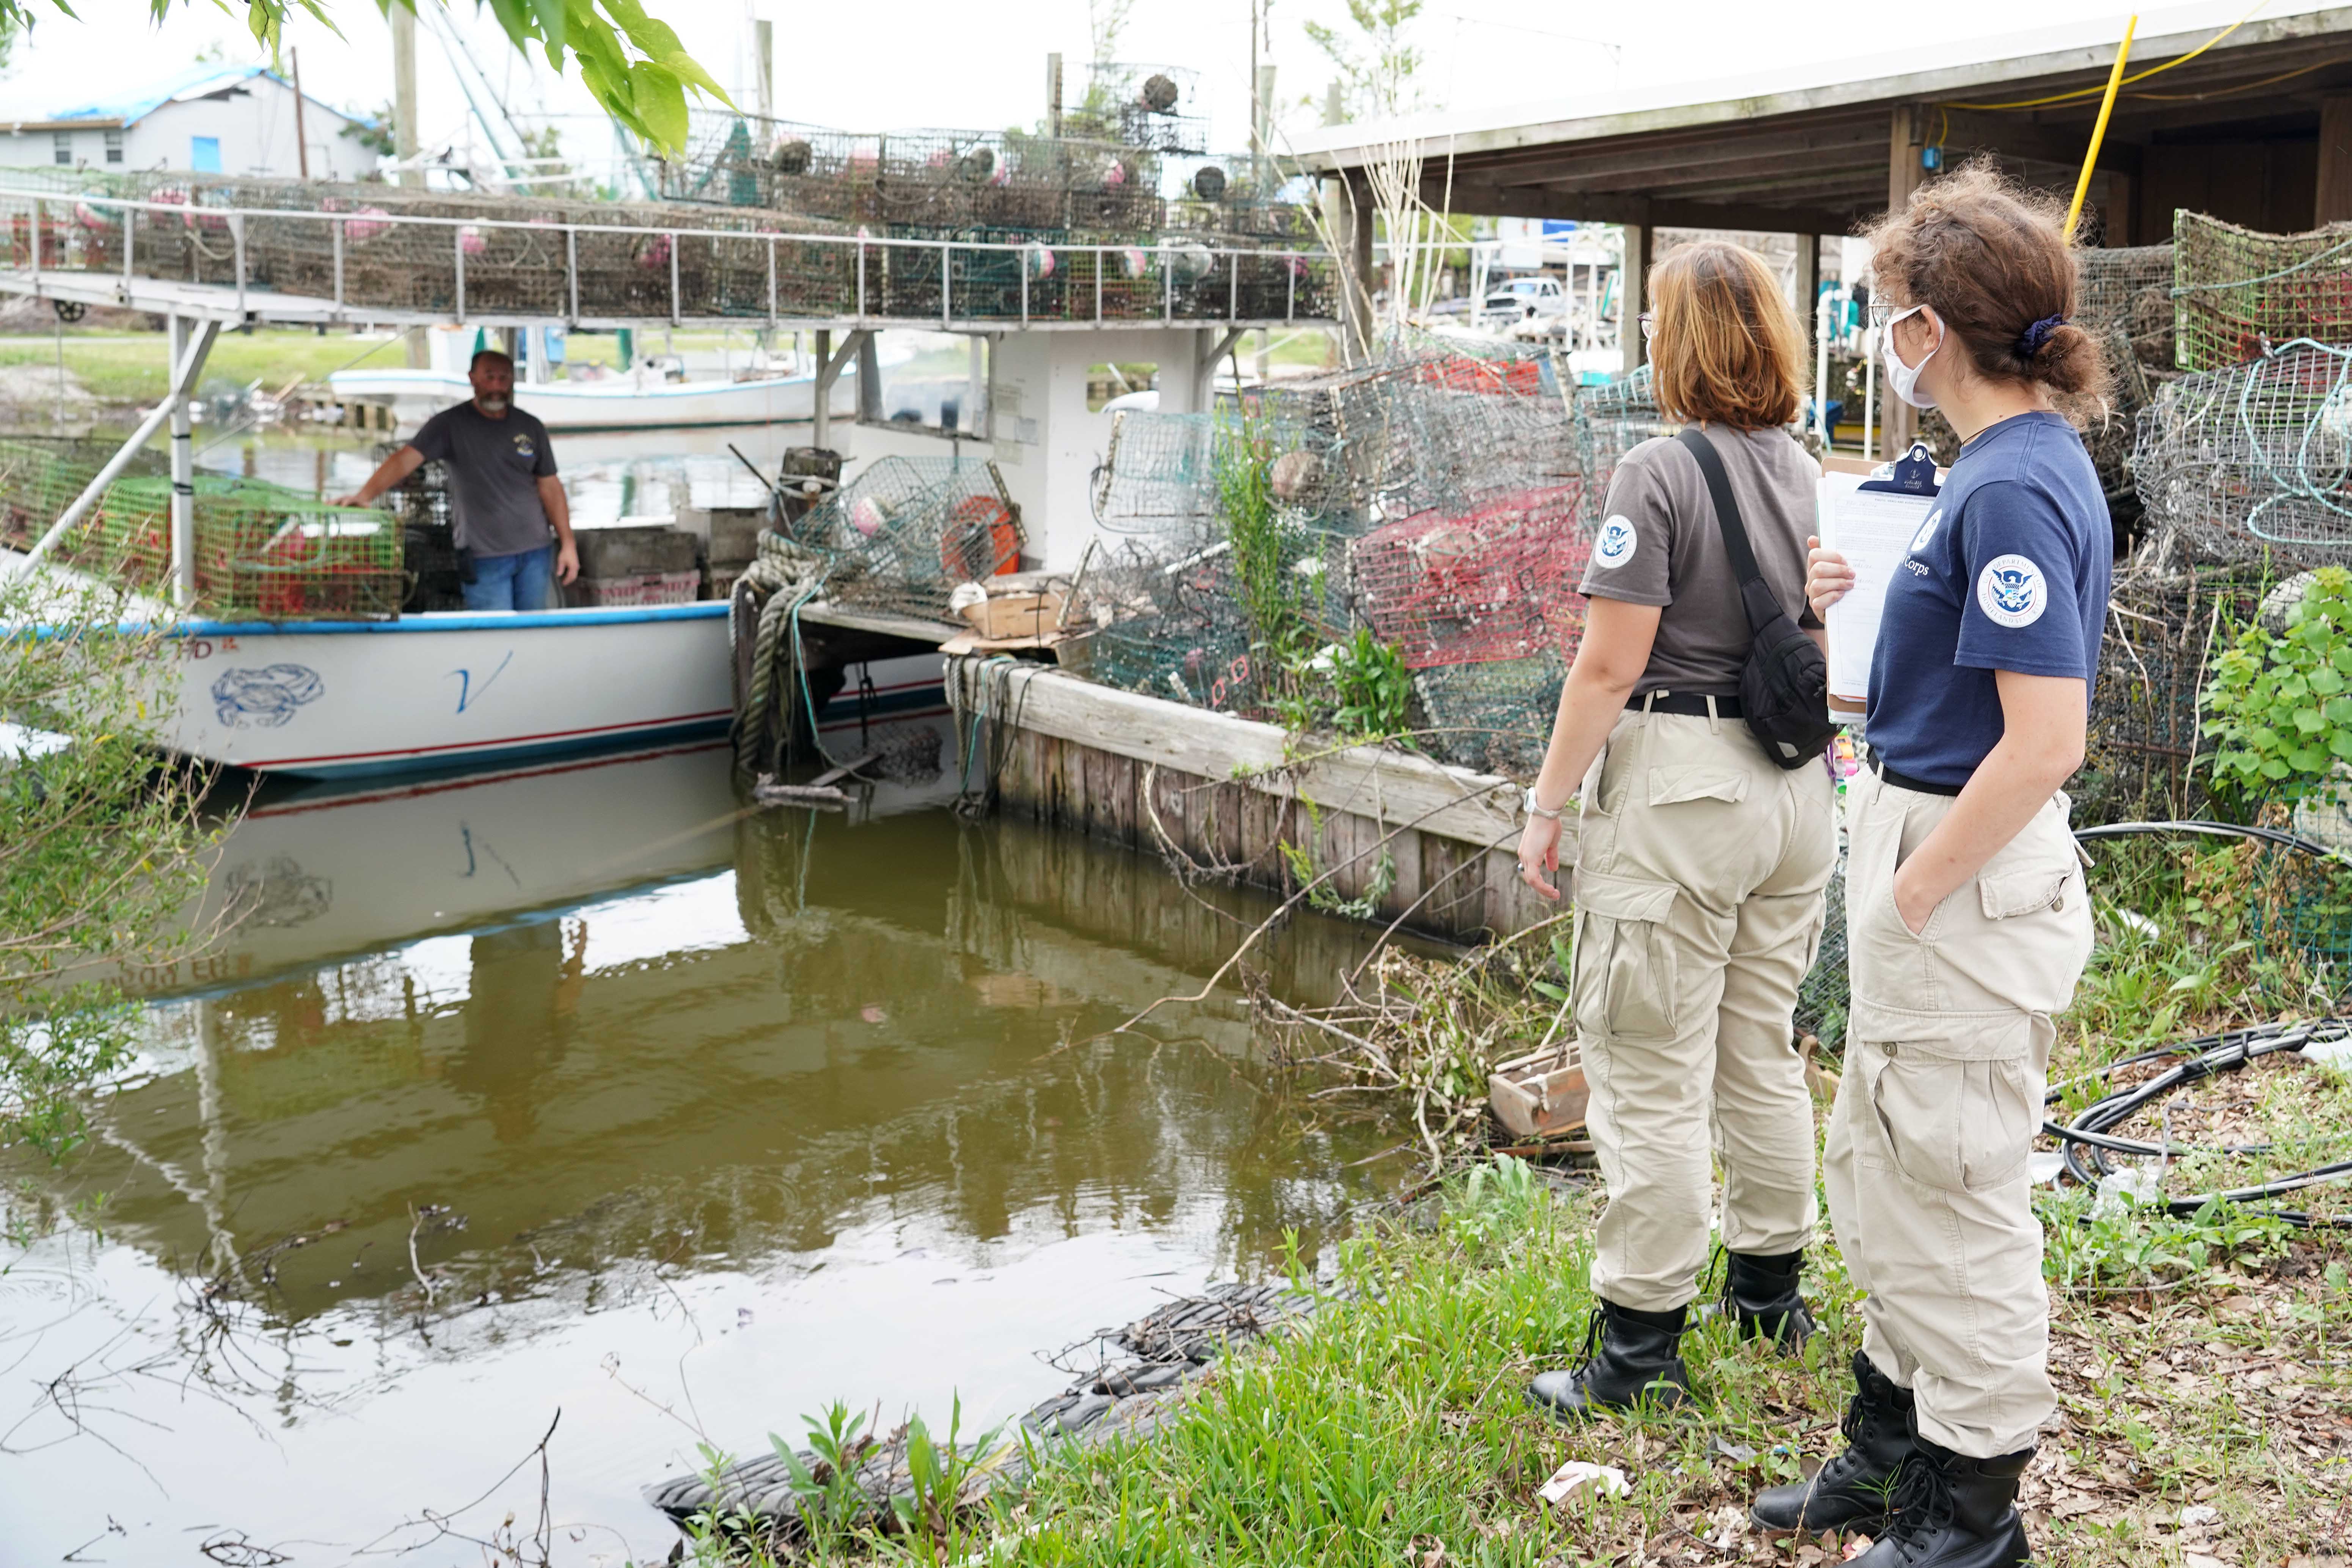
(495,465)
(1659,544)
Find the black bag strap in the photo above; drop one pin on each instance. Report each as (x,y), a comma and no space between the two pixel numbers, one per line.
(1735,532)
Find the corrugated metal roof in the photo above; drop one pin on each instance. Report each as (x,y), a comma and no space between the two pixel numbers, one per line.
(196,81)
(1924,71)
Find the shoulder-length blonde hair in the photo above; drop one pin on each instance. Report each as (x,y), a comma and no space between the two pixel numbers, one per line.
(1727,347)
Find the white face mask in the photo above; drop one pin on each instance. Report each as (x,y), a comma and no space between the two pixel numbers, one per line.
(1904,378)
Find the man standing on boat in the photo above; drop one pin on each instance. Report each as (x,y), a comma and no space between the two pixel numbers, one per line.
(504,495)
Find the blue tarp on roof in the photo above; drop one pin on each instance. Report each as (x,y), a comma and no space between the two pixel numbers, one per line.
(193,82)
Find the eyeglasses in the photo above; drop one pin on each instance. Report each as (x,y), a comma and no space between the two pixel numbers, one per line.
(1885,312)
(1649,326)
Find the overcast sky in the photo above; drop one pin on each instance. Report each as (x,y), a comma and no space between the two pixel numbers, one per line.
(884,64)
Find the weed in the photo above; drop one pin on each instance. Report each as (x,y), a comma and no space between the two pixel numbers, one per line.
(831,1500)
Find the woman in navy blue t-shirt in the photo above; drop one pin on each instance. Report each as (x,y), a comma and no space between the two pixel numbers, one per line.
(1967,924)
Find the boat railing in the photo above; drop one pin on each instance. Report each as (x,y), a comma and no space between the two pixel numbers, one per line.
(369,263)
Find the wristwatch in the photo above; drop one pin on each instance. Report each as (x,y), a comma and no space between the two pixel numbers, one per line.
(1549,815)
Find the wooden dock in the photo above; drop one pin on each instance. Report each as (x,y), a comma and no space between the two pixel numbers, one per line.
(1386,830)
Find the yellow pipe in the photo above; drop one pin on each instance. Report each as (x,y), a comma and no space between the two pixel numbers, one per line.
(2099,131)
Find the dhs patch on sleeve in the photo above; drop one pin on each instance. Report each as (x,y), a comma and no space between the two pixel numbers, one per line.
(1618,538)
(2012,591)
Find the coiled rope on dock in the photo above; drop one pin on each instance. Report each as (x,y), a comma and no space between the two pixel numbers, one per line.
(782,578)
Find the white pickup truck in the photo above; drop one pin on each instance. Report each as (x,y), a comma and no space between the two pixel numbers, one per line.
(1524,298)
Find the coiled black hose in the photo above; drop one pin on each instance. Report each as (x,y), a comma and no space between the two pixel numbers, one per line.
(2087,1139)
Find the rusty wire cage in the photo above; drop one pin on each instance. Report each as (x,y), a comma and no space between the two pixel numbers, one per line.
(905,532)
(2240,295)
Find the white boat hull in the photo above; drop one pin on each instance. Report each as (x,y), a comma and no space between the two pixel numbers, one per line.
(622,403)
(330,700)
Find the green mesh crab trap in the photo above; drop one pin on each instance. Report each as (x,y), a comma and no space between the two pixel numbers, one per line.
(2240,295)
(1494,716)
(1611,419)
(262,551)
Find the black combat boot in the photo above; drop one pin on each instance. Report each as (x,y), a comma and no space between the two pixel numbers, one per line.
(1855,1490)
(1760,1292)
(1953,1512)
(1630,1359)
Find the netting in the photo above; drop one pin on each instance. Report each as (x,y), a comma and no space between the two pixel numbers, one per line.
(1490,580)
(1822,996)
(1496,716)
(1040,253)
(2129,290)
(262,551)
(2164,619)
(1144,106)
(1171,628)
(2250,462)
(2239,296)
(1429,495)
(1612,418)
(906,531)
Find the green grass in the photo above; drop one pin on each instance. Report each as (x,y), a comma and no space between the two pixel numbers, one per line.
(1395,1425)
(120,367)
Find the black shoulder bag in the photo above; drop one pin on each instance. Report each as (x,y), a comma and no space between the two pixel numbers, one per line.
(1784,688)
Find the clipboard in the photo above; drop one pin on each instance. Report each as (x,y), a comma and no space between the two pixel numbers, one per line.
(1872,514)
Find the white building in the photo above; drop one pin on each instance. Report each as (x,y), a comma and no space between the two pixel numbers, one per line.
(211,119)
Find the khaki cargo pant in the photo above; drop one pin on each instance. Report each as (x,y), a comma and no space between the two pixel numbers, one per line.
(1948,1052)
(1699,874)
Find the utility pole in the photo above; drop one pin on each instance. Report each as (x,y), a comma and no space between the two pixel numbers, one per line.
(403,136)
(1257,151)
(1054,96)
(301,144)
(404,91)
(764,39)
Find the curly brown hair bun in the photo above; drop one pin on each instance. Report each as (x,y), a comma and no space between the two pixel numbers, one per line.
(1990,258)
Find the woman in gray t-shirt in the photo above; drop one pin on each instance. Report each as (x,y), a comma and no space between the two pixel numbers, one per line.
(1700,862)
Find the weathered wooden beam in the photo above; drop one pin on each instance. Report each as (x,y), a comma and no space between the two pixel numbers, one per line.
(1397,788)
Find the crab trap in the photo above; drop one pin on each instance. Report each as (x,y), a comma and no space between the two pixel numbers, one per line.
(2250,462)
(906,532)
(262,551)
(2240,295)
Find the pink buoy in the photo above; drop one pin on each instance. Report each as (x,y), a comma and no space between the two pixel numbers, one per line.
(366,224)
(653,252)
(471,240)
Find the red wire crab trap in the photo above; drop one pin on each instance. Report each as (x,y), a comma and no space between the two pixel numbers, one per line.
(1490,581)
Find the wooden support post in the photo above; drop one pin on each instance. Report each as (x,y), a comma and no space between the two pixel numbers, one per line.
(1896,418)
(826,370)
(1808,285)
(2334,196)
(1355,229)
(1634,293)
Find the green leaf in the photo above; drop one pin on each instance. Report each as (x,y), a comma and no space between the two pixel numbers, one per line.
(2309,720)
(660,104)
(2272,768)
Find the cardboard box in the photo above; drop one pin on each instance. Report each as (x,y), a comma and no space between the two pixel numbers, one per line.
(1004,617)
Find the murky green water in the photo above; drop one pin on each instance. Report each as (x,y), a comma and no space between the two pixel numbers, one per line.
(694,1120)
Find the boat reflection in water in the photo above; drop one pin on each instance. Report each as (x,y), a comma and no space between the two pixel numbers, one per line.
(583,1079)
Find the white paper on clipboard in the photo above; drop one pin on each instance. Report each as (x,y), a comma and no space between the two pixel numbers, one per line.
(1873,530)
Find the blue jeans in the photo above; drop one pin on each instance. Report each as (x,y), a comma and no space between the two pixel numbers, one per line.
(523,581)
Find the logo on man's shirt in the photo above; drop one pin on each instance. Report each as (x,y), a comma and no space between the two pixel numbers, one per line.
(2011,591)
(1927,530)
(523,448)
(1618,538)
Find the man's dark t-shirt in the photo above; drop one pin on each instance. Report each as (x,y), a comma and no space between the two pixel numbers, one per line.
(494,467)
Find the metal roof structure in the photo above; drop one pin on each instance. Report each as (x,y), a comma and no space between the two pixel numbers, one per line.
(196,81)
(1813,149)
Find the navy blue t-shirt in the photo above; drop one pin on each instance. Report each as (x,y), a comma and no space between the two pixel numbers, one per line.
(2009,572)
